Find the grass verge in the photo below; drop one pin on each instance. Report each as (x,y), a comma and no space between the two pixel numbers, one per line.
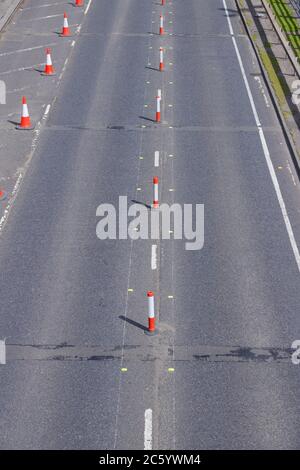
(286,19)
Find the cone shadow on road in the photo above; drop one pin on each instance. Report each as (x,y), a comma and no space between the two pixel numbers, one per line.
(15,123)
(152,68)
(133,323)
(147,119)
(142,203)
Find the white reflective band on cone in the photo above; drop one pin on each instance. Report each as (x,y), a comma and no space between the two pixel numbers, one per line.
(25,112)
(158,104)
(49,61)
(155,198)
(151,306)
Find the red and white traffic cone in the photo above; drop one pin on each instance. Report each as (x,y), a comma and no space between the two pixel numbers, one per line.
(25,118)
(2,195)
(161,59)
(151,315)
(161,25)
(66,30)
(158,100)
(155,193)
(79,3)
(49,69)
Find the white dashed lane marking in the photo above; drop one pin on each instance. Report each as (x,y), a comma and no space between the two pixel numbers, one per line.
(88,7)
(148,430)
(154,257)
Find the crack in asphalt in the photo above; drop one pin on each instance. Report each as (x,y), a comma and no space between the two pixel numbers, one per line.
(156,127)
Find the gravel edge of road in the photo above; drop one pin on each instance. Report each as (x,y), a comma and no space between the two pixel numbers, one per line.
(288,138)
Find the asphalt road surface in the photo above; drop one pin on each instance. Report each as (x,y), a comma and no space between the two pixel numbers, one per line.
(80,372)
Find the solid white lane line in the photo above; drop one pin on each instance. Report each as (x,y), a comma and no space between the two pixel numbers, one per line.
(148,430)
(154,257)
(28,49)
(156,159)
(264,145)
(88,7)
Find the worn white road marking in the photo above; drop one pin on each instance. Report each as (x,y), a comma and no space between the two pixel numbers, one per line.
(40,6)
(7,208)
(17,90)
(291,173)
(156,158)
(64,68)
(42,18)
(47,109)
(261,87)
(148,430)
(264,145)
(17,185)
